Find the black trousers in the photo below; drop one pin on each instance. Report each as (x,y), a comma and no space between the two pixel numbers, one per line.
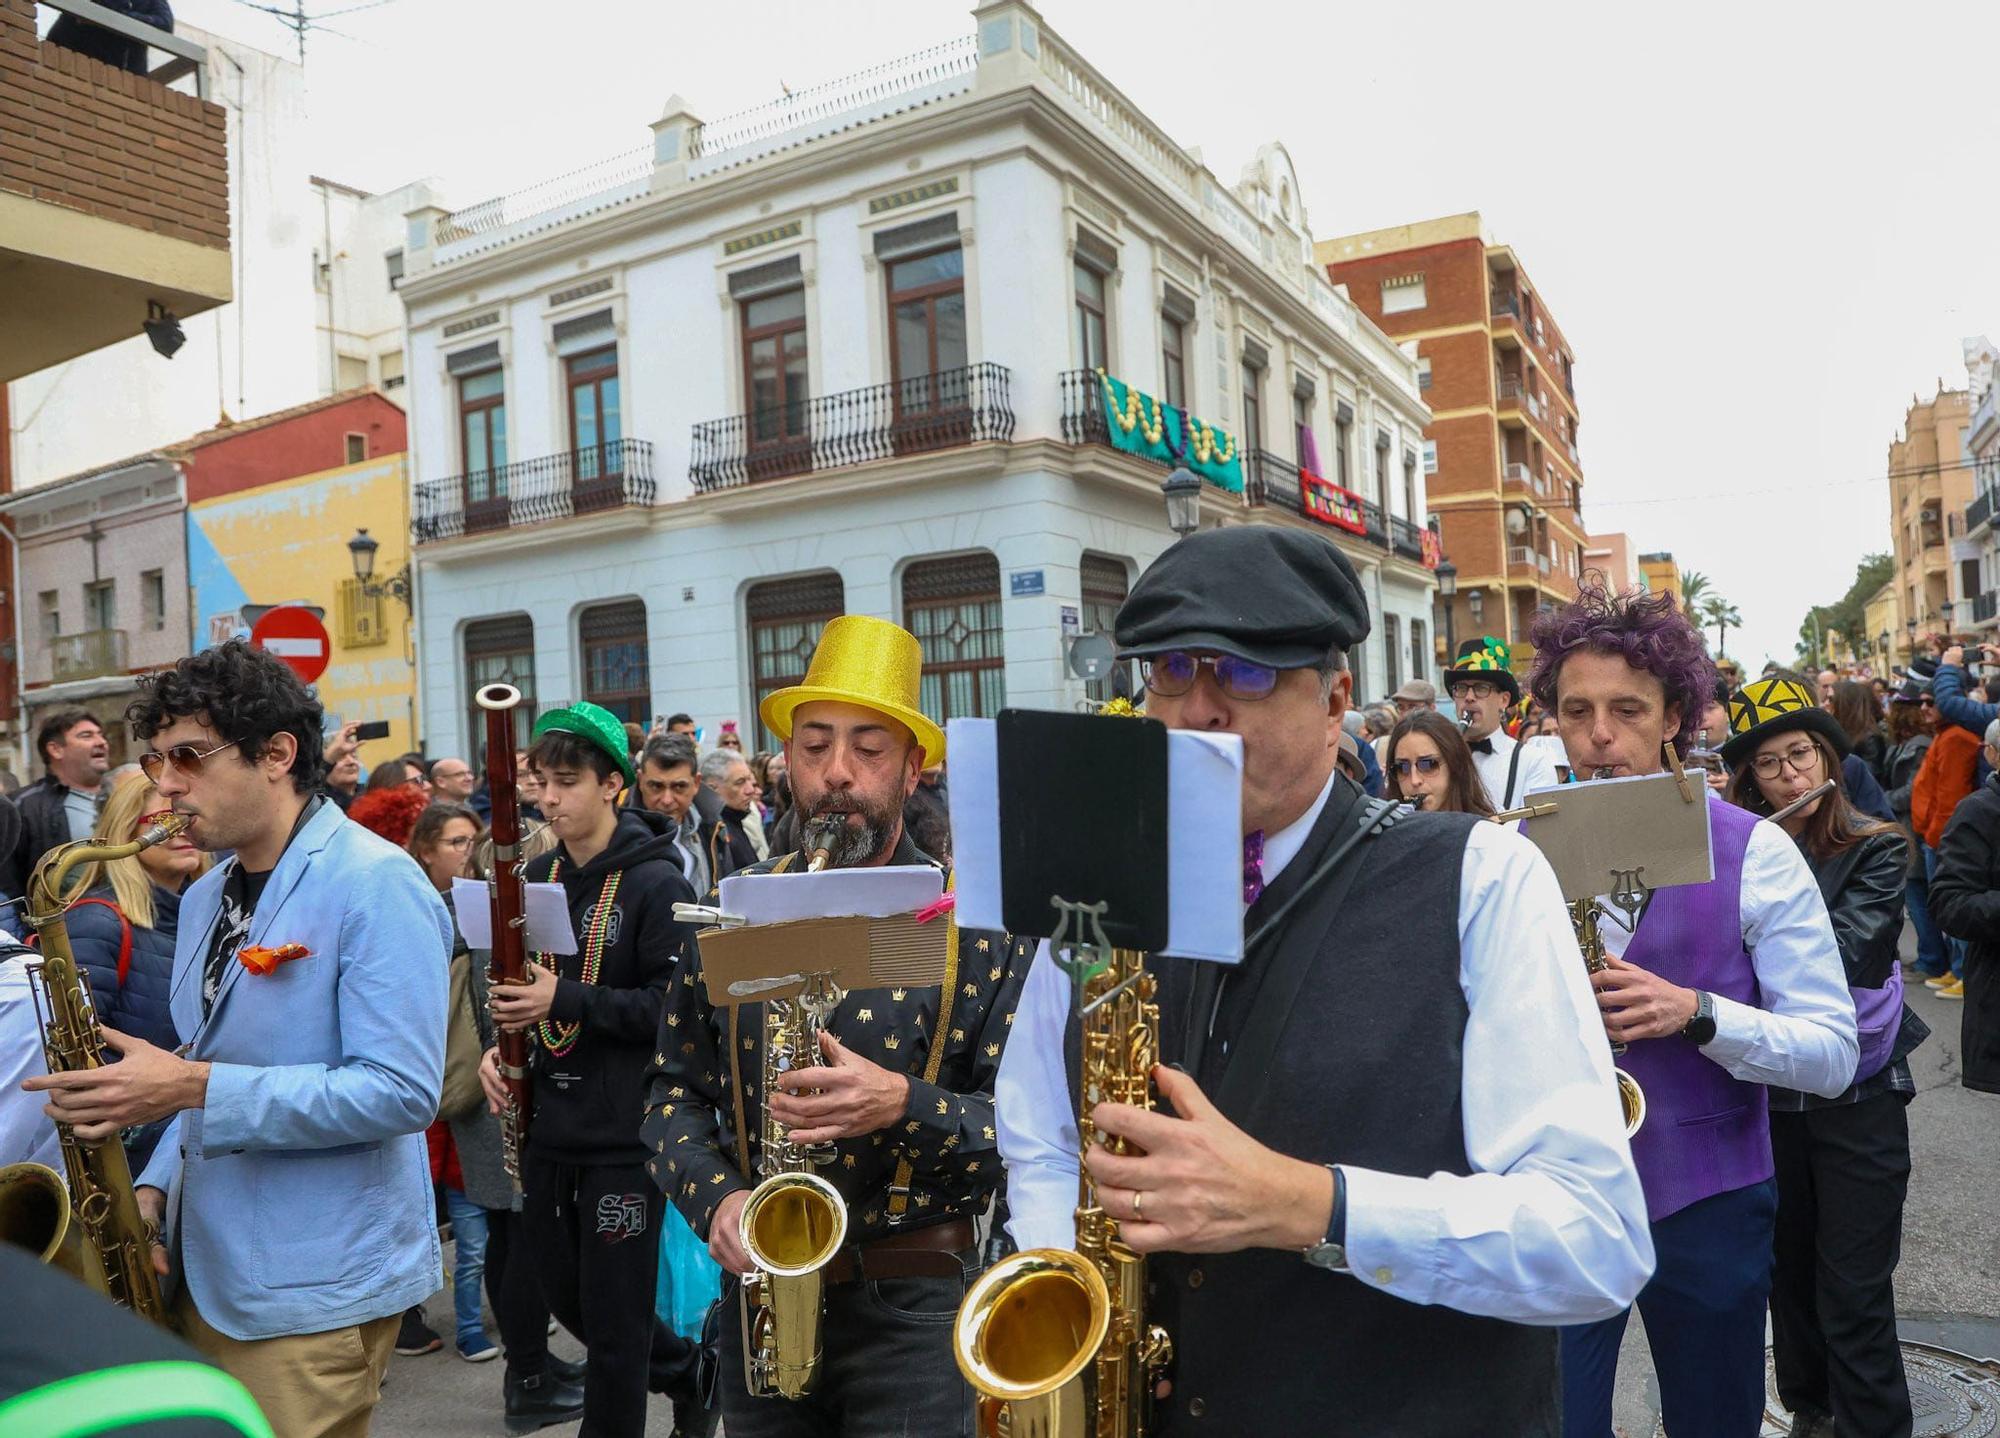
(887,1371)
(1842,1175)
(595,1233)
(514,1289)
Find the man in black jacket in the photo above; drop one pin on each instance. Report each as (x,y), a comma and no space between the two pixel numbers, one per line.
(62,805)
(1965,901)
(590,1212)
(726,774)
(668,785)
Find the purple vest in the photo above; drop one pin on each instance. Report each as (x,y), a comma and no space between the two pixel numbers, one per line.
(1705,1132)
(1878,1015)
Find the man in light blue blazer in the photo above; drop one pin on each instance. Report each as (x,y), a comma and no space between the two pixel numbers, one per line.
(309,984)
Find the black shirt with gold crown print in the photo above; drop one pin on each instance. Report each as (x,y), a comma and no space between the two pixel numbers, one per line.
(947,1134)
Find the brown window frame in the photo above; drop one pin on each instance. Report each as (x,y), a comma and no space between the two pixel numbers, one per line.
(612,624)
(474,651)
(806,600)
(1173,361)
(1088,310)
(947,584)
(1252,380)
(790,450)
(1343,441)
(483,511)
(935,420)
(597,471)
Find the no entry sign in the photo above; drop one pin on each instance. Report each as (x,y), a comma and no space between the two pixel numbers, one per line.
(296,637)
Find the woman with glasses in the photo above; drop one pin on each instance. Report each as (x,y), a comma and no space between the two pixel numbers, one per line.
(1842,1164)
(122,929)
(1430,766)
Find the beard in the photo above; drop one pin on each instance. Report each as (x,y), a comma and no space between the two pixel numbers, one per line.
(852,843)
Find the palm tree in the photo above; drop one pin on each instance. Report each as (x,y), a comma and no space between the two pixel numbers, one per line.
(1694,586)
(1723,615)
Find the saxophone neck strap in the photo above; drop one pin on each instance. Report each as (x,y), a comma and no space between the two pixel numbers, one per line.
(899,1191)
(736,1063)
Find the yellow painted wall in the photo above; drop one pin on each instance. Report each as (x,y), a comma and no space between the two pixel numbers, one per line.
(1662,576)
(287,542)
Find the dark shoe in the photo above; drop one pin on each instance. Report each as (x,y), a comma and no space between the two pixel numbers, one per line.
(415,1336)
(565,1370)
(1809,1424)
(540,1401)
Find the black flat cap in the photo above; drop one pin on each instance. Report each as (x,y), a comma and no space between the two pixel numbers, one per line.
(1283,597)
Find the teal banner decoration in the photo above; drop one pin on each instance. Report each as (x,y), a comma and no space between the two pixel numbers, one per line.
(1139,424)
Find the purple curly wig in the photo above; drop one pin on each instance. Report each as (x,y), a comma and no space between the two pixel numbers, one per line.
(1647,630)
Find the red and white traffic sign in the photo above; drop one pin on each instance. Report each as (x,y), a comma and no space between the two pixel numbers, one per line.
(296,637)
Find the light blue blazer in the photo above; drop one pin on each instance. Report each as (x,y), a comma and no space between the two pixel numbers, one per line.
(300,1193)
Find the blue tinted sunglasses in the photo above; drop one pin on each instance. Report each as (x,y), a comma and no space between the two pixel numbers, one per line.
(1174,673)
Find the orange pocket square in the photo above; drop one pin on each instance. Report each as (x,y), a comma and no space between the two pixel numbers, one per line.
(260,960)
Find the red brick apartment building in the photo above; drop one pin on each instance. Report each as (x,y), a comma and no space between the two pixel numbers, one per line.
(1504,478)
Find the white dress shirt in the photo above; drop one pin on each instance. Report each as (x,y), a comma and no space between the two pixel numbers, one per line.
(27,1135)
(1549,1228)
(1536,771)
(1803,1036)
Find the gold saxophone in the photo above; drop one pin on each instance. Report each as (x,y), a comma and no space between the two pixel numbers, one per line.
(794,1221)
(1056,1342)
(92,1227)
(1583,916)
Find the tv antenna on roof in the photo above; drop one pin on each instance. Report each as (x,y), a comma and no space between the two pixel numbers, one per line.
(298,20)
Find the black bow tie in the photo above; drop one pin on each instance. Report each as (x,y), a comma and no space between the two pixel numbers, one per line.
(1482,746)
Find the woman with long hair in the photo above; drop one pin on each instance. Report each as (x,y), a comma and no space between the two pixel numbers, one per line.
(1431,767)
(1910,729)
(122,929)
(1842,1164)
(1859,714)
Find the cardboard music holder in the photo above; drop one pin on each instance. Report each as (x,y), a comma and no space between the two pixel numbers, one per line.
(1642,826)
(754,962)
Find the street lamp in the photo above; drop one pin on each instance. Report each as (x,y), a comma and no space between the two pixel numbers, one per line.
(1910,627)
(361,549)
(1884,648)
(1475,600)
(1447,578)
(1182,489)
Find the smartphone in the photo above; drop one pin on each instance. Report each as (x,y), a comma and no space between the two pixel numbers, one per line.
(373,729)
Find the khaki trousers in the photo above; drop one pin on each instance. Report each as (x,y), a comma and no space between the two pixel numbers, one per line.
(310,1385)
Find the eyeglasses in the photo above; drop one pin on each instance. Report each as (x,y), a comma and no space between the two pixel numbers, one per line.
(1477,689)
(1175,671)
(464,842)
(1802,758)
(1426,764)
(186,759)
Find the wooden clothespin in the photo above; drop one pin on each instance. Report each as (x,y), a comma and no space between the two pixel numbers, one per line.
(1680,773)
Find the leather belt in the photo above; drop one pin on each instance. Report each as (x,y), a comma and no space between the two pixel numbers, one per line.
(930,1252)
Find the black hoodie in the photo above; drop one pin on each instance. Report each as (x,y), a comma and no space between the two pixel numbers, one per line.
(588,1101)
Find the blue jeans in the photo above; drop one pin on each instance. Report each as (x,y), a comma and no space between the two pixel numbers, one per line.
(468,1264)
(1932,956)
(1954,947)
(1704,1312)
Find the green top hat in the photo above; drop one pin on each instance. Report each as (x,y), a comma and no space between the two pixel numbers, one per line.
(594,724)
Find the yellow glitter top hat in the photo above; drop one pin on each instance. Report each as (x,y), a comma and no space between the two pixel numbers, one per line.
(866,661)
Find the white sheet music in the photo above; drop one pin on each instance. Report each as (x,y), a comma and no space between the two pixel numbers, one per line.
(874,893)
(549,930)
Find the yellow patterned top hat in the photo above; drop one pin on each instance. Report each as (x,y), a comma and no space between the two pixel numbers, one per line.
(1765,707)
(866,661)
(1485,658)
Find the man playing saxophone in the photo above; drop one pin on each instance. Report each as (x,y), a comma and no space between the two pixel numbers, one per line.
(1387,1158)
(897,1101)
(309,994)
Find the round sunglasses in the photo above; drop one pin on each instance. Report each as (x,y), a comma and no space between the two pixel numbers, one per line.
(1423,764)
(186,759)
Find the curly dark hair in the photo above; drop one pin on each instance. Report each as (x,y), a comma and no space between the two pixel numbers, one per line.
(1647,630)
(247,696)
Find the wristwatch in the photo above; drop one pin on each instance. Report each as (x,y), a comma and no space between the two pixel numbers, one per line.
(1701,1028)
(1330,1252)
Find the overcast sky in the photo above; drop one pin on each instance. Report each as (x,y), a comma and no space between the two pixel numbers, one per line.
(1763,226)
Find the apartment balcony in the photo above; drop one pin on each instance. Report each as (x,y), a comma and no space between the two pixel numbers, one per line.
(1405,538)
(1505,310)
(1979,513)
(536,491)
(946,410)
(1516,472)
(89,654)
(114,189)
(1521,556)
(1985,607)
(1271,481)
(1511,400)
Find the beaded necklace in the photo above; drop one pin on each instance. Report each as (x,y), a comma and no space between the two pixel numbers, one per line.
(559,1039)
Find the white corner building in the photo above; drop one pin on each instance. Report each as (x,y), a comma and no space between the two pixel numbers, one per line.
(838,355)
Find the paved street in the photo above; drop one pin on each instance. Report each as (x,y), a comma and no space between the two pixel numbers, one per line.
(1948,1288)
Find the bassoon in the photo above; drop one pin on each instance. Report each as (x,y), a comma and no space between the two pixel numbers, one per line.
(509,899)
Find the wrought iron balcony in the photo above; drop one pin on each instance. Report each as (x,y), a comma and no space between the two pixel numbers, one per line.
(1979,512)
(535,491)
(1504,303)
(946,410)
(1083,423)
(88,654)
(1985,606)
(1406,538)
(1269,480)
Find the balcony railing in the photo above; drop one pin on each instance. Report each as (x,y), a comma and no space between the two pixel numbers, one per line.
(88,654)
(1405,538)
(534,491)
(946,410)
(1979,512)
(1985,606)
(1269,480)
(1519,473)
(1505,304)
(1510,391)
